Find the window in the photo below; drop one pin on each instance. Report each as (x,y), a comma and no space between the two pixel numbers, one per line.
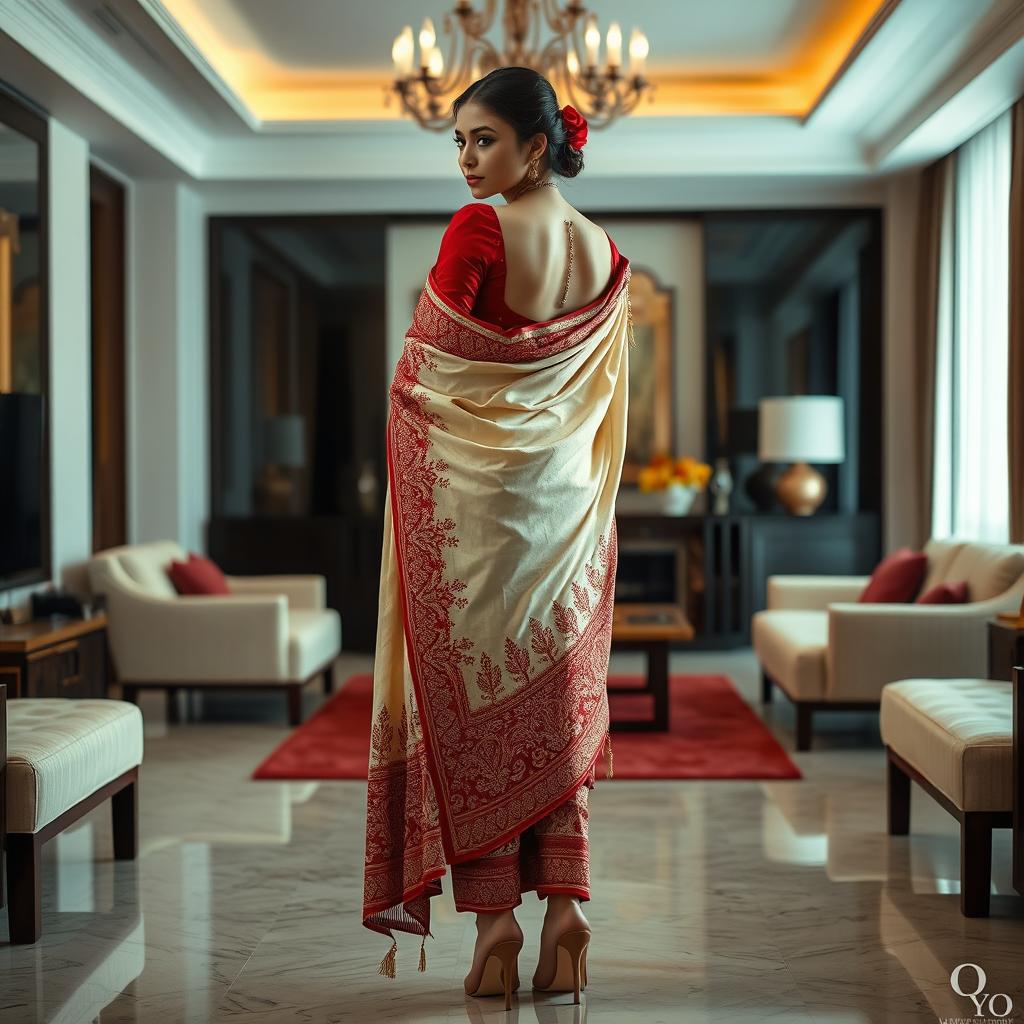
(971,468)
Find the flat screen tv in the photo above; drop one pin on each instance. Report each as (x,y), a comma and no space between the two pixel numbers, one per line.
(21,492)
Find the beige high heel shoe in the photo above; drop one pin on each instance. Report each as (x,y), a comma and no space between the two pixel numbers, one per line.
(569,973)
(501,971)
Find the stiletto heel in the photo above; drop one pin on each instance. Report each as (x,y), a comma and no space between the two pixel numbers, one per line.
(570,972)
(501,971)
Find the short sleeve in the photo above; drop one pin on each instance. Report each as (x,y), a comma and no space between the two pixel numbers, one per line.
(467,251)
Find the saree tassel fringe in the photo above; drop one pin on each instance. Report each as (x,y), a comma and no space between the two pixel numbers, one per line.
(423,955)
(608,745)
(387,965)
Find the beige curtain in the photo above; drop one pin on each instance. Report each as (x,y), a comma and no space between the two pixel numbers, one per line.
(933,300)
(1015,380)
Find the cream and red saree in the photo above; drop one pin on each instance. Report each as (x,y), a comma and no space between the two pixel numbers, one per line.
(490,704)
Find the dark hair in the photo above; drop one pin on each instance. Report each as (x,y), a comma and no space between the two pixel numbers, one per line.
(525,99)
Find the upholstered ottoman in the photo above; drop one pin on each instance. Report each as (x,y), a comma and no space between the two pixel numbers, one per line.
(955,737)
(63,758)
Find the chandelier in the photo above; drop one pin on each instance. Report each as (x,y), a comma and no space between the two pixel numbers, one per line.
(600,94)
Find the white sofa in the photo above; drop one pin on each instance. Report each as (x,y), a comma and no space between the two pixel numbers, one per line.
(271,632)
(827,651)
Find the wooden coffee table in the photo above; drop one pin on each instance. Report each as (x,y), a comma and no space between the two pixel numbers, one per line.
(651,628)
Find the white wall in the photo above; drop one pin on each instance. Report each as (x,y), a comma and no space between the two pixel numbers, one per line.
(168,417)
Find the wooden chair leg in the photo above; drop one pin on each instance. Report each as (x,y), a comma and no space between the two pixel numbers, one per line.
(24,887)
(766,688)
(328,675)
(804,723)
(898,800)
(975,864)
(124,808)
(295,704)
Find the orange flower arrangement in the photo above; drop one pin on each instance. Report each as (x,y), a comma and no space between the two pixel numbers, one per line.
(663,470)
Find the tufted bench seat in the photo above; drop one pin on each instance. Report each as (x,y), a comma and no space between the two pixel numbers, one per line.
(955,738)
(63,758)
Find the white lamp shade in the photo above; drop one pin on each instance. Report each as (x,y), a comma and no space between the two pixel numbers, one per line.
(285,441)
(801,428)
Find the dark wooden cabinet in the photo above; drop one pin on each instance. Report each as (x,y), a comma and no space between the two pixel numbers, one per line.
(55,657)
(717,567)
(1005,649)
(345,550)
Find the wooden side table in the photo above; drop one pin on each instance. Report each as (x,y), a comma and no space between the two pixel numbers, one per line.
(1018,779)
(1005,648)
(651,628)
(1005,657)
(55,657)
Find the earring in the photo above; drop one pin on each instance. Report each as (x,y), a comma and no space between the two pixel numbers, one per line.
(533,172)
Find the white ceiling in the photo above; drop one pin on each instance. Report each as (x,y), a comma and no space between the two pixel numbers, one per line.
(727,36)
(127,74)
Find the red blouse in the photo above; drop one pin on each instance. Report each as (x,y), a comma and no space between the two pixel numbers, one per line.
(470,267)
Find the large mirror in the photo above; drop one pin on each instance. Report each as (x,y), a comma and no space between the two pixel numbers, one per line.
(24,484)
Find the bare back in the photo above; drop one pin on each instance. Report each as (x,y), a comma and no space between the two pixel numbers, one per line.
(537,259)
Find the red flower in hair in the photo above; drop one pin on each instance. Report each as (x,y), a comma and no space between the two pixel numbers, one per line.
(575,125)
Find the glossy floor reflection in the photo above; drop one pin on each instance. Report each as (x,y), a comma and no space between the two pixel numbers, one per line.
(713,901)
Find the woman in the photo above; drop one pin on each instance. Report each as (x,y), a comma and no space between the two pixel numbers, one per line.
(505,442)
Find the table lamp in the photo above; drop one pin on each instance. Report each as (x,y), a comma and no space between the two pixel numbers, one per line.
(284,450)
(801,429)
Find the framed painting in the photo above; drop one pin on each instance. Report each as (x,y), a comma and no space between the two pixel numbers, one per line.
(649,425)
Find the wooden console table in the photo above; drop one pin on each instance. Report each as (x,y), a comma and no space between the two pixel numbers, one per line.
(55,657)
(651,628)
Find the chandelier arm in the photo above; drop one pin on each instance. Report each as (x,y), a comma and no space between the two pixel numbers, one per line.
(485,18)
(455,71)
(561,21)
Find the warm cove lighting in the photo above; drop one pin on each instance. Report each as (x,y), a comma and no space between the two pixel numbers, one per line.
(276,92)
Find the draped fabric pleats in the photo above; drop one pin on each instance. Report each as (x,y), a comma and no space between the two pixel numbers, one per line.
(505,451)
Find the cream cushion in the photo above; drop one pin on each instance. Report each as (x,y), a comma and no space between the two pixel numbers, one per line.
(147,565)
(791,647)
(989,569)
(940,555)
(958,733)
(60,750)
(314,639)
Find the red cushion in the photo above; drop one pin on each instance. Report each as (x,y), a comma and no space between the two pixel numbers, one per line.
(197,576)
(897,578)
(945,593)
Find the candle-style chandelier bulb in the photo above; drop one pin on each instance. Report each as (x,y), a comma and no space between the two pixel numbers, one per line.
(613,45)
(592,39)
(638,48)
(402,52)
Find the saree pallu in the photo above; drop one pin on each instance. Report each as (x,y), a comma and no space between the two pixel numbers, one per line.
(490,703)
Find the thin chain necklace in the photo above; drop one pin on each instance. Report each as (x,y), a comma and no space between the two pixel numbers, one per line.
(568,225)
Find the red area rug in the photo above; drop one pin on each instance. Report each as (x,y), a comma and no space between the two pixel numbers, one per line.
(714,735)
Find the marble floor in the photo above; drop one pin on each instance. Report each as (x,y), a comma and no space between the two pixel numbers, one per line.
(712,901)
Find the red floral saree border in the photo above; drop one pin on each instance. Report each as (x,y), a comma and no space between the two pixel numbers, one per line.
(412,831)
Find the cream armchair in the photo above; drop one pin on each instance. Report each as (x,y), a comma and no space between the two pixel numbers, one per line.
(271,632)
(827,651)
